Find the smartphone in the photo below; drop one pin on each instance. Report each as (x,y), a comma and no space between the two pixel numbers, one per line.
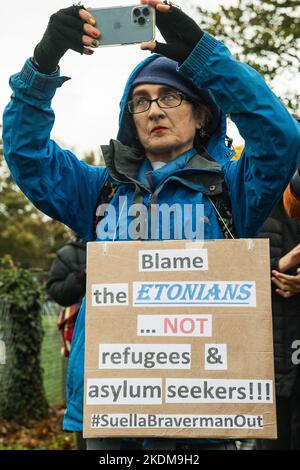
(125,24)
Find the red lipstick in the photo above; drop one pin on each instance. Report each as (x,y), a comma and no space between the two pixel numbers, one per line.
(158,129)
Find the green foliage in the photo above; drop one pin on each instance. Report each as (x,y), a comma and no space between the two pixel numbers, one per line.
(91,158)
(53,364)
(21,392)
(265,34)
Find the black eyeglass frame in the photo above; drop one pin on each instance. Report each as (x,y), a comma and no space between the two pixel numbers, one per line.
(156,100)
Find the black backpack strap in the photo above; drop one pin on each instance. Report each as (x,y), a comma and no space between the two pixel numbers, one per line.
(106,194)
(222,205)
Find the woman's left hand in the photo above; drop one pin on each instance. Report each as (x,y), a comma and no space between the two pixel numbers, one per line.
(180,32)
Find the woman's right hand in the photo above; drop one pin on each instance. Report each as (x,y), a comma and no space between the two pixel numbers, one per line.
(69,28)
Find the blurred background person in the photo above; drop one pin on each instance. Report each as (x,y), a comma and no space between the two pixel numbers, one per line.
(284,235)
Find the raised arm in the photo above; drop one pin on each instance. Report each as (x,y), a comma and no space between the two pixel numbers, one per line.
(272,137)
(55,181)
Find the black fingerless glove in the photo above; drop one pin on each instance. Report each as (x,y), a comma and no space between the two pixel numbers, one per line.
(64,31)
(180,32)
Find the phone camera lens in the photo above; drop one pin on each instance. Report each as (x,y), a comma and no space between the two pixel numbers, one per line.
(137,12)
(141,20)
(146,11)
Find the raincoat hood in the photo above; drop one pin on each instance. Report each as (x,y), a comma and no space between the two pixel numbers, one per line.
(127,135)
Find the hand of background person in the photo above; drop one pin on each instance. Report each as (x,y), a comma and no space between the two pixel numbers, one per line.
(180,32)
(287,285)
(290,259)
(69,28)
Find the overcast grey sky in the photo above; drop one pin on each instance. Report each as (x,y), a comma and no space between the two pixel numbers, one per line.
(86,107)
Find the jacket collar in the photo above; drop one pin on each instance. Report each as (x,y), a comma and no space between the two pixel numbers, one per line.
(127,164)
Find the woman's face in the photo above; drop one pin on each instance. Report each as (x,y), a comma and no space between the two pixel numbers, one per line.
(164,133)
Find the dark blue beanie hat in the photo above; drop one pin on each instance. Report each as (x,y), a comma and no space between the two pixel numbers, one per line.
(164,71)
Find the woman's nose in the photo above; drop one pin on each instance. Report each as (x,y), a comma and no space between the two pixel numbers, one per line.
(155,110)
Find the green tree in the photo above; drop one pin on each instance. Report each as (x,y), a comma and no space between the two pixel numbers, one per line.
(91,158)
(22,394)
(263,33)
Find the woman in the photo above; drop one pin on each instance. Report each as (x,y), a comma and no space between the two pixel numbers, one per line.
(170,149)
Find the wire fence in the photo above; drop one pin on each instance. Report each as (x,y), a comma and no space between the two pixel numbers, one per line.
(6,348)
(52,362)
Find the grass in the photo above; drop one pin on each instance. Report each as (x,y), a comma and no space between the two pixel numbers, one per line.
(52,362)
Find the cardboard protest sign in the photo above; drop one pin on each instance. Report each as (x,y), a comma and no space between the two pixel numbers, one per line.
(179,340)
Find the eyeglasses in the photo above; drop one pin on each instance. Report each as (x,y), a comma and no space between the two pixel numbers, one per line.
(170,100)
